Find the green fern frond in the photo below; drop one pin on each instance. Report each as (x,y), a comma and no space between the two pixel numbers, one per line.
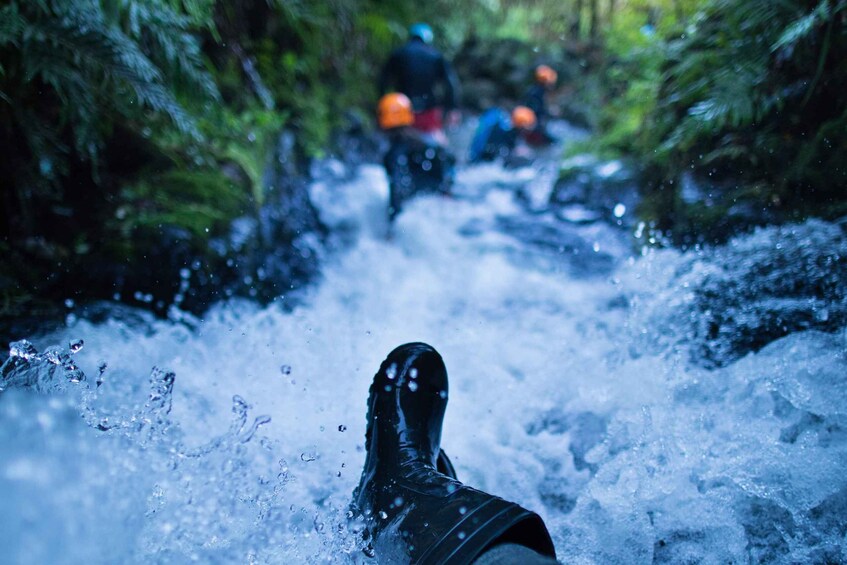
(801,28)
(77,67)
(175,50)
(12,24)
(731,100)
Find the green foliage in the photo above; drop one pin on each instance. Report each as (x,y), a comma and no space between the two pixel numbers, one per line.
(88,55)
(245,139)
(203,202)
(747,96)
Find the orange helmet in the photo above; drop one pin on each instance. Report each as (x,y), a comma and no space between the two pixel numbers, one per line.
(545,75)
(394,110)
(523,118)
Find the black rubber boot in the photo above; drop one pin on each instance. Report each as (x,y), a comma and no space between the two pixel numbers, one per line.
(415,510)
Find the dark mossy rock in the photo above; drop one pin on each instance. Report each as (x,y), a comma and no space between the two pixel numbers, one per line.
(178,236)
(698,209)
(736,298)
(606,189)
(498,72)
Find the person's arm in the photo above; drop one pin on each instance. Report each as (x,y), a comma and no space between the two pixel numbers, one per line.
(451,86)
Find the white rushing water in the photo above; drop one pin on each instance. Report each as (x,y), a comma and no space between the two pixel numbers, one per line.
(564,398)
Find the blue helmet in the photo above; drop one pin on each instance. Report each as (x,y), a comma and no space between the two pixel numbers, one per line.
(422,31)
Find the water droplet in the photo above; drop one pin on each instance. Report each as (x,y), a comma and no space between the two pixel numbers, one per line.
(285,369)
(398,501)
(53,354)
(596,247)
(69,303)
(75,345)
(413,373)
(619,210)
(342,428)
(391,371)
(463,510)
(383,515)
(462,535)
(308,456)
(22,349)
(413,386)
(101,368)
(443,394)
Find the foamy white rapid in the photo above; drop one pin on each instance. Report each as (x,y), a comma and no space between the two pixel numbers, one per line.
(561,400)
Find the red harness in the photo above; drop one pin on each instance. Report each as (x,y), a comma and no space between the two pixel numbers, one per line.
(429,121)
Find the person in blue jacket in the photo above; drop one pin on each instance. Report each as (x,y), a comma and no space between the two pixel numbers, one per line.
(498,133)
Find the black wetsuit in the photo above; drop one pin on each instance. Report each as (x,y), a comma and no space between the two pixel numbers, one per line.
(535,101)
(417,69)
(415,165)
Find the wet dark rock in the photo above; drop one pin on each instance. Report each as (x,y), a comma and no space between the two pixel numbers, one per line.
(699,209)
(605,189)
(737,298)
(829,515)
(557,494)
(586,430)
(679,546)
(561,241)
(498,73)
(493,71)
(767,525)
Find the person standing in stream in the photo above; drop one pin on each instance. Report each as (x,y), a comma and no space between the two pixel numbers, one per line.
(421,72)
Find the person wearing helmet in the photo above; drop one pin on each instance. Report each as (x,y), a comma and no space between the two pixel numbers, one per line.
(535,98)
(412,505)
(414,162)
(420,71)
(499,132)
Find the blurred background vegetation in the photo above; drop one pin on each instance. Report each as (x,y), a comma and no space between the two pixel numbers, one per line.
(135,132)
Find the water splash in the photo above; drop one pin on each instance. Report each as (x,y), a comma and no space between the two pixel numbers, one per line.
(48,372)
(224,500)
(573,392)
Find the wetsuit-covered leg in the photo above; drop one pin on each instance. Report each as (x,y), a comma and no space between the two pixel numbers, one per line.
(401,183)
(513,554)
(413,507)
